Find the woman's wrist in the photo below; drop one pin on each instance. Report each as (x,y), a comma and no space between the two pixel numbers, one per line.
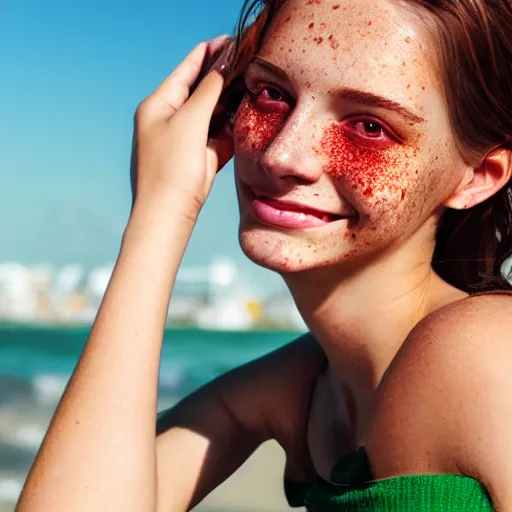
(164,215)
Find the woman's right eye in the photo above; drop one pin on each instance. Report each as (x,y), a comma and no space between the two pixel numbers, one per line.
(271,94)
(270,99)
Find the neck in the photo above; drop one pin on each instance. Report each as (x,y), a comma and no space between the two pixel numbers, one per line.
(361,315)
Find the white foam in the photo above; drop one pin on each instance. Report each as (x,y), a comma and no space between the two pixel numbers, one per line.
(28,436)
(49,388)
(10,489)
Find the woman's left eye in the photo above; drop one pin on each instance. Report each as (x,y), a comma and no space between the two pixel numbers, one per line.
(370,129)
(370,133)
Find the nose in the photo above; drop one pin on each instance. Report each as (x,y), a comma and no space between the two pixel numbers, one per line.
(292,155)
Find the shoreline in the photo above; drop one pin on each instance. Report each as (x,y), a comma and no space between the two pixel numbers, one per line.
(42,325)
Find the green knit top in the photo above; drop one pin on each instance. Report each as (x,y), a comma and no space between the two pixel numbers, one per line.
(352,490)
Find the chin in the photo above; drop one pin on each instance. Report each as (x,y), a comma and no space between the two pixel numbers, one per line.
(289,252)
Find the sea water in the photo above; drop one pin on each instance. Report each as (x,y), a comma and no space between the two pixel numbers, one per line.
(36,363)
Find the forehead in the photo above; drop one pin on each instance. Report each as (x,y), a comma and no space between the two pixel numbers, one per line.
(373,45)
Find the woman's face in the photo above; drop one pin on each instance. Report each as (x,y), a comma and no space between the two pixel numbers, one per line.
(343,146)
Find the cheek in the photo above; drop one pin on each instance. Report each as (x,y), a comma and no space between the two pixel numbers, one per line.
(382,176)
(255,130)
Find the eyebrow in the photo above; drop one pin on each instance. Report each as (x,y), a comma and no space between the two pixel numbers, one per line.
(352,95)
(374,100)
(268,67)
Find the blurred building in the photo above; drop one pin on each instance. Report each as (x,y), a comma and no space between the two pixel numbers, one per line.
(212,296)
(280,311)
(18,296)
(67,293)
(96,284)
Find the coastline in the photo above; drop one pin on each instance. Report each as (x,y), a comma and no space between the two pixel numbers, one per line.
(35,365)
(43,325)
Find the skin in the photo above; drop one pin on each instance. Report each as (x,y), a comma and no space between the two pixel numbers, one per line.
(317,151)
(386,332)
(320,153)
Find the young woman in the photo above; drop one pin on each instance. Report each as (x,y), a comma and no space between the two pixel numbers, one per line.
(373,170)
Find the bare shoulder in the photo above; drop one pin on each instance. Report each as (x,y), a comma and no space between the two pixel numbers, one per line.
(445,403)
(465,329)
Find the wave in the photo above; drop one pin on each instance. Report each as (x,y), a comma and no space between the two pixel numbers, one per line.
(10,489)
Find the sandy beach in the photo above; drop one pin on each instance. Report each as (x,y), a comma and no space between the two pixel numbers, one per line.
(256,487)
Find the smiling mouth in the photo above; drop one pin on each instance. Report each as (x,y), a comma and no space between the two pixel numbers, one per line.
(289,207)
(290,215)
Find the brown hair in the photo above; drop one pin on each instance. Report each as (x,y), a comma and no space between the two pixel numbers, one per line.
(474,42)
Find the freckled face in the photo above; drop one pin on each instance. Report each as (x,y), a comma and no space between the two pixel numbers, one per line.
(344,121)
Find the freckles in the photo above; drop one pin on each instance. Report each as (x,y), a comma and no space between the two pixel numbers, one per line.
(255,130)
(374,173)
(334,44)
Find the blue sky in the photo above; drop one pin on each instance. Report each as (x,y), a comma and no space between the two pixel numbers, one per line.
(72,74)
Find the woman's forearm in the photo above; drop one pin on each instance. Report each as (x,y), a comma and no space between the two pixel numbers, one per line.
(99,453)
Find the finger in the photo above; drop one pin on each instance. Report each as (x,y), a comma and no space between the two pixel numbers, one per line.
(218,49)
(203,101)
(216,44)
(174,90)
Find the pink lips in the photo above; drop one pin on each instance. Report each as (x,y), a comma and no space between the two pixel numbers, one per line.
(287,215)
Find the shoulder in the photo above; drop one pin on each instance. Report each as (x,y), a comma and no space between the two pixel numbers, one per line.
(476,329)
(471,328)
(445,404)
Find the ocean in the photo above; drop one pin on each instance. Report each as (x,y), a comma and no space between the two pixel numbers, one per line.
(36,363)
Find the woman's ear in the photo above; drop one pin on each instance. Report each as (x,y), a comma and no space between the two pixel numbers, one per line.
(481,182)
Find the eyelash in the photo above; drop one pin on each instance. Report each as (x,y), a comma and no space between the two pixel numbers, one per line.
(366,141)
(285,100)
(388,139)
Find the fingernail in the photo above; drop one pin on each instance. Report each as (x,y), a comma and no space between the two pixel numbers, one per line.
(224,60)
(222,37)
(223,69)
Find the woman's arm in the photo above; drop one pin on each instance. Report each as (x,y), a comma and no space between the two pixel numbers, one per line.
(203,439)
(99,452)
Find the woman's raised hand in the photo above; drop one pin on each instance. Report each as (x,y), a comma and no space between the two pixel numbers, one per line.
(172,156)
(173,167)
